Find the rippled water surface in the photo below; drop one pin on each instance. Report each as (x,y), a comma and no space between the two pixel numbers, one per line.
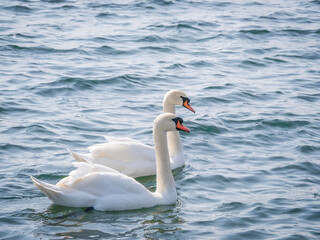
(72,71)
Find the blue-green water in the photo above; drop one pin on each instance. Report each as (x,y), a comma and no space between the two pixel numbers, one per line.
(71,71)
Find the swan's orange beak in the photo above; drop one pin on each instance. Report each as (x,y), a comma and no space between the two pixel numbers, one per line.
(186,104)
(180,126)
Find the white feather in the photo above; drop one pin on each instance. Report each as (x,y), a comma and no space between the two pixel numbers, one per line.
(101,187)
(132,157)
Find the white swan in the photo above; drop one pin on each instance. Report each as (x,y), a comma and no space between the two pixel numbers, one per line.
(105,189)
(132,157)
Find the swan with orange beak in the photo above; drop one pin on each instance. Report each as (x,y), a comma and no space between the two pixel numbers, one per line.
(134,158)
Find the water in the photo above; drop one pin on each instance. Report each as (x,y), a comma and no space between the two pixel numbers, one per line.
(72,71)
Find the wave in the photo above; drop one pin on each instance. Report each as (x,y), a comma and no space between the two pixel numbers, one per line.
(177,26)
(231,206)
(10,108)
(176,66)
(10,147)
(281,123)
(39,49)
(275,60)
(308,149)
(308,55)
(19,9)
(256,31)
(30,129)
(107,15)
(163,49)
(201,63)
(67,85)
(309,97)
(151,39)
(298,168)
(220,99)
(301,32)
(54,1)
(215,37)
(209,129)
(112,51)
(253,63)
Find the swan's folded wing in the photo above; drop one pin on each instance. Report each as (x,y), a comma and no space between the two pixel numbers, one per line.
(123,151)
(83,169)
(120,139)
(101,184)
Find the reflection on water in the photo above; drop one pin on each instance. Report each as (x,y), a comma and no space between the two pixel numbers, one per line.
(76,223)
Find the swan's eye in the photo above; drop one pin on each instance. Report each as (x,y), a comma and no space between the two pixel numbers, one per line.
(177,120)
(185,100)
(179,126)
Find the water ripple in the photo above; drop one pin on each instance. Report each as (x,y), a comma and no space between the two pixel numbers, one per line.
(19,9)
(72,71)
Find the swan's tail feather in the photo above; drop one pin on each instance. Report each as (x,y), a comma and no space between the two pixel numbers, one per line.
(78,157)
(51,191)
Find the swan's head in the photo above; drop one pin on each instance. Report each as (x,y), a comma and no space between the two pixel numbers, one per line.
(169,122)
(177,97)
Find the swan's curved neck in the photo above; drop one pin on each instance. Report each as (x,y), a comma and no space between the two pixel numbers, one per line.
(168,107)
(165,181)
(175,145)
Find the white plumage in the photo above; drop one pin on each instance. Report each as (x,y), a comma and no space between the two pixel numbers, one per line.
(132,157)
(101,187)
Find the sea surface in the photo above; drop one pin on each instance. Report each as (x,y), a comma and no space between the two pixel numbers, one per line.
(73,71)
